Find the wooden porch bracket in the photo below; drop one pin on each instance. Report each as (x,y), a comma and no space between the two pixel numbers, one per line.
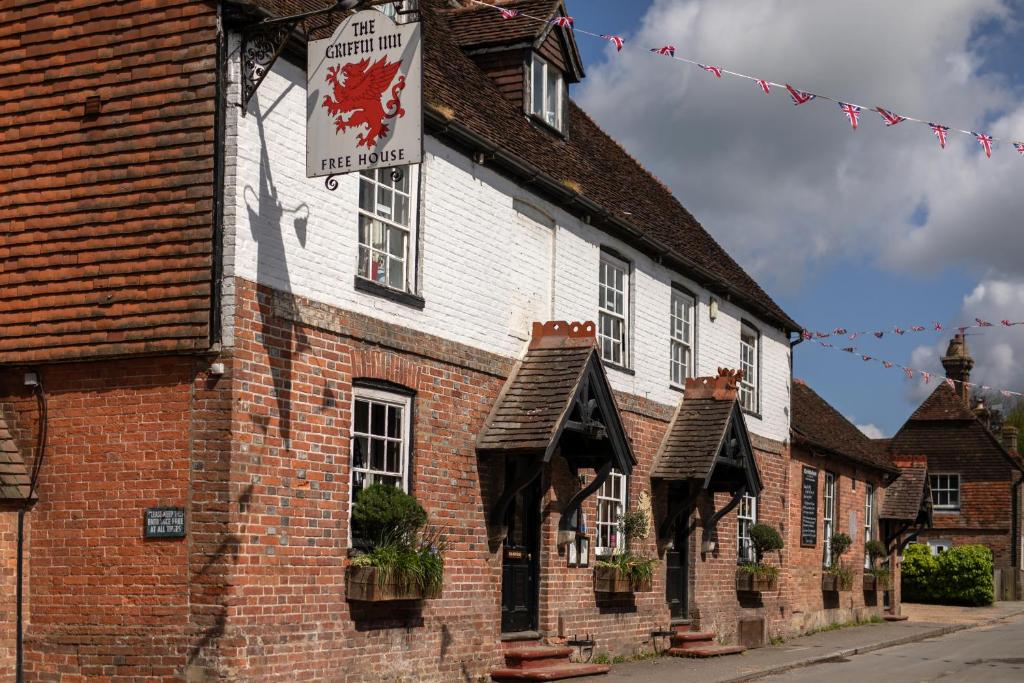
(566,532)
(525,474)
(712,523)
(677,507)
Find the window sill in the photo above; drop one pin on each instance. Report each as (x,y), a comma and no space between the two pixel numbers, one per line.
(621,368)
(955,511)
(539,120)
(404,298)
(751,413)
(677,387)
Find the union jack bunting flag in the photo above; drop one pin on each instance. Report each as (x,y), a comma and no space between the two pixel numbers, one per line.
(1019,146)
(766,86)
(898,330)
(827,345)
(909,373)
(668,50)
(1006,394)
(798,96)
(807,334)
(616,41)
(839,330)
(886,364)
(1007,323)
(949,383)
(982,323)
(854,335)
(867,358)
(510,13)
(879,334)
(890,118)
(917,328)
(926,376)
(564,22)
(938,327)
(852,112)
(849,349)
(717,70)
(986,143)
(940,133)
(821,335)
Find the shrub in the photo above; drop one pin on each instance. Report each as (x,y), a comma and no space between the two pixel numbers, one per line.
(635,568)
(961,575)
(634,525)
(838,545)
(765,571)
(384,513)
(875,550)
(765,539)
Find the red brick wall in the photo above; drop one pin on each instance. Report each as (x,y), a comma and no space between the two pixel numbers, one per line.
(107,219)
(8,553)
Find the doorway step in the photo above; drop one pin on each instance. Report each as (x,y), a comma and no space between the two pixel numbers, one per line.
(687,643)
(531,661)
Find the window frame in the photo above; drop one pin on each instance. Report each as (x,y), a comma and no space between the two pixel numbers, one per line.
(614,261)
(689,344)
(933,478)
(829,506)
(748,504)
(750,385)
(374,394)
(545,65)
(410,260)
(869,520)
(601,521)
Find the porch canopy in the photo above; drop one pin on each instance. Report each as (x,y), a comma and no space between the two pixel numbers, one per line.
(907,508)
(707,449)
(15,481)
(557,399)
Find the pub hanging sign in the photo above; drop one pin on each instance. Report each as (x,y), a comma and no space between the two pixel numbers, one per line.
(364,96)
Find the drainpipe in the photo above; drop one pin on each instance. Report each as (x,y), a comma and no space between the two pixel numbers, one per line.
(19,653)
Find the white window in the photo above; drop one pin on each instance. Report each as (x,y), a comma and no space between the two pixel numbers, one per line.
(747,517)
(945,491)
(387,219)
(380,439)
(547,92)
(613,310)
(749,339)
(681,335)
(830,516)
(869,519)
(939,546)
(611,502)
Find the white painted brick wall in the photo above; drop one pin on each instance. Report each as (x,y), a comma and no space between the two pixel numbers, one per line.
(487,270)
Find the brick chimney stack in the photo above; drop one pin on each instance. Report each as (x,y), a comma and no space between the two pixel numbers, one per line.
(1010,438)
(958,364)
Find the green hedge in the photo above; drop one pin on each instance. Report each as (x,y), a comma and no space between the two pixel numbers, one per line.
(961,575)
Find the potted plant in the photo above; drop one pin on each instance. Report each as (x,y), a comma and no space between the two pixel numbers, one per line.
(624,571)
(395,558)
(837,577)
(756,576)
(876,578)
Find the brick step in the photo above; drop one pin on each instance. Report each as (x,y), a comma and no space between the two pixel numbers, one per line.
(895,617)
(557,672)
(706,651)
(692,639)
(536,656)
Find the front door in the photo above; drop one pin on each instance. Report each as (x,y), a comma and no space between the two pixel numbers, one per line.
(520,563)
(677,570)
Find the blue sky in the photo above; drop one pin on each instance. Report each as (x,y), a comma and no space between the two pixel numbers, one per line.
(844,229)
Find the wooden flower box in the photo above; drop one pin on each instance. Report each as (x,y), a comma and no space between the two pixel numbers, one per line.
(749,582)
(834,584)
(873,584)
(611,580)
(361,585)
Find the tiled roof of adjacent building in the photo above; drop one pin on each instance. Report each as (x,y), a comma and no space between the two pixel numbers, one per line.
(587,165)
(943,404)
(14,476)
(904,496)
(820,425)
(475,25)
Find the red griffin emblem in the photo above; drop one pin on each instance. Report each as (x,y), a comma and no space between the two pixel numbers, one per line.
(360,95)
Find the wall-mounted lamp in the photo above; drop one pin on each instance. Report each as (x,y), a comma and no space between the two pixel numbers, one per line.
(713,309)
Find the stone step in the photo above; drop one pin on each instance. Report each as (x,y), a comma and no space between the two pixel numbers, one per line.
(706,651)
(692,639)
(536,656)
(554,672)
(895,617)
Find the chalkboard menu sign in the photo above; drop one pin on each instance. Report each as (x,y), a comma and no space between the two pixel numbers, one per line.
(164,523)
(809,508)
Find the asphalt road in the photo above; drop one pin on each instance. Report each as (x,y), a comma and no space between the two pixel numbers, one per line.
(989,653)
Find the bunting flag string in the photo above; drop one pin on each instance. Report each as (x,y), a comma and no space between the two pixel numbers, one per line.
(850,110)
(900,331)
(910,373)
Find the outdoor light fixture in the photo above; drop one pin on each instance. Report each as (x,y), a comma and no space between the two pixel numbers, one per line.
(713,309)
(31,379)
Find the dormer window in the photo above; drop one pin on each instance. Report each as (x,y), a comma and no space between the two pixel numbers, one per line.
(548,91)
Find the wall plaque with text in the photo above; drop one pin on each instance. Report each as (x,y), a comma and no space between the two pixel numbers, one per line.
(164,523)
(809,508)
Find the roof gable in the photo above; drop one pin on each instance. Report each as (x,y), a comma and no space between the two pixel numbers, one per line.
(943,404)
(15,481)
(908,497)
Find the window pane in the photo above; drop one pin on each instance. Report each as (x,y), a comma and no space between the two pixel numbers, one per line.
(378,415)
(384,199)
(360,447)
(401,210)
(394,422)
(366,202)
(376,454)
(551,99)
(396,274)
(396,242)
(391,463)
(538,86)
(362,416)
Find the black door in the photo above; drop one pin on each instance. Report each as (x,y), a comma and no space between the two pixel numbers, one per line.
(519,569)
(677,571)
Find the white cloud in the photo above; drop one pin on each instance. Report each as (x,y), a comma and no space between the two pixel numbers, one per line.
(788,189)
(871,431)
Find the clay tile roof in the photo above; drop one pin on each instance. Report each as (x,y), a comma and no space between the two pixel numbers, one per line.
(819,424)
(475,25)
(693,440)
(14,477)
(943,404)
(904,496)
(587,162)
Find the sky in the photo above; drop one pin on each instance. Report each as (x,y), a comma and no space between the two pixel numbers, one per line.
(866,229)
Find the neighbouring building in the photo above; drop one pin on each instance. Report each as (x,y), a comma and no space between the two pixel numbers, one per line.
(974,475)
(205,355)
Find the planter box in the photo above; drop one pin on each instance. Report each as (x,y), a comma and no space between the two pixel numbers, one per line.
(609,580)
(833,584)
(873,584)
(746,582)
(361,585)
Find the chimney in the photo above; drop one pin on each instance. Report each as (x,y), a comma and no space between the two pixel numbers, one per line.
(1010,438)
(982,412)
(958,364)
(721,388)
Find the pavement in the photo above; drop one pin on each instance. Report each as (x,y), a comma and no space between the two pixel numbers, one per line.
(925,622)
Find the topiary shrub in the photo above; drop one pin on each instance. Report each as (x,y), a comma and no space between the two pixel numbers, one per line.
(765,539)
(961,575)
(875,550)
(838,545)
(385,513)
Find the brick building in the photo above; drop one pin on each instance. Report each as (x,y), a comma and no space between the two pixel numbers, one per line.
(973,474)
(189,322)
